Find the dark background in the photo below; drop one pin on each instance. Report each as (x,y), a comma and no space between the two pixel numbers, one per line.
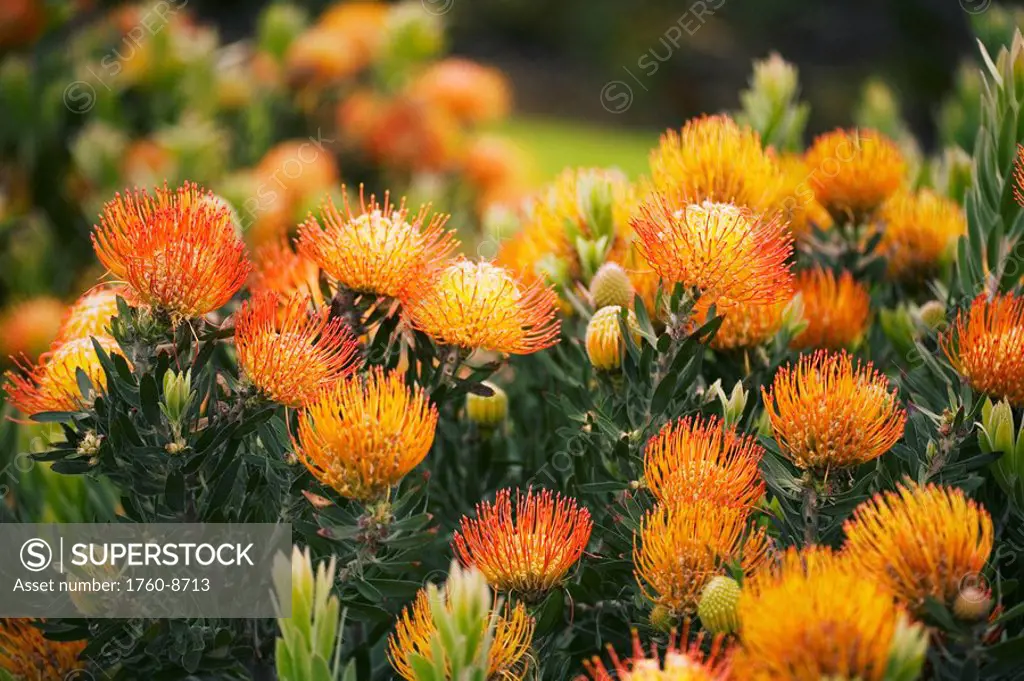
(559,54)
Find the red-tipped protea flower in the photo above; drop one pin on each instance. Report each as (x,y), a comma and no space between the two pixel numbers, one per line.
(698,458)
(480,305)
(177,250)
(290,354)
(379,249)
(725,253)
(52,384)
(826,412)
(364,434)
(985,345)
(525,545)
(920,542)
(681,662)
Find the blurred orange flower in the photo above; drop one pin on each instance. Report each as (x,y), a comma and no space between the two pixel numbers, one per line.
(853,171)
(470,92)
(835,311)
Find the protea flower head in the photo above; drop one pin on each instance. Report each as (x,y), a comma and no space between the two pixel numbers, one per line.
(853,171)
(26,654)
(836,310)
(985,344)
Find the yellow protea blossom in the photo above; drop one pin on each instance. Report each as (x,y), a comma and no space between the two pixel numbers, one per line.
(919,233)
(365,433)
(604,340)
(920,542)
(52,384)
(853,172)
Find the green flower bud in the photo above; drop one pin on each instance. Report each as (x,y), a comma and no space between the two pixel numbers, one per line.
(997,428)
(487,411)
(734,404)
(933,315)
(898,326)
(907,651)
(309,638)
(177,396)
(717,605)
(662,619)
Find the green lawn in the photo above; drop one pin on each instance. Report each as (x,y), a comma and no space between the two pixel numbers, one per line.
(555,144)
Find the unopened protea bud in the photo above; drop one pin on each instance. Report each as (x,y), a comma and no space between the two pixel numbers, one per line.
(662,619)
(611,286)
(717,605)
(973,603)
(898,326)
(308,615)
(604,341)
(998,433)
(933,315)
(177,396)
(734,404)
(487,411)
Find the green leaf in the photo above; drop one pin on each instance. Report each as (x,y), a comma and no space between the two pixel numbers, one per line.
(150,401)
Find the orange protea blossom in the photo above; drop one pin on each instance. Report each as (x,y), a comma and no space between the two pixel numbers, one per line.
(746,325)
(919,233)
(714,159)
(815,617)
(920,542)
(380,249)
(697,458)
(985,344)
(853,172)
(508,658)
(725,254)
(680,547)
(292,354)
(365,433)
(52,383)
(801,210)
(90,315)
(681,662)
(177,250)
(526,546)
(280,269)
(827,413)
(480,305)
(836,311)
(29,656)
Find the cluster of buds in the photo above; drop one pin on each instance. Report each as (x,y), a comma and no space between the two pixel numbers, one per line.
(177,400)
(999,433)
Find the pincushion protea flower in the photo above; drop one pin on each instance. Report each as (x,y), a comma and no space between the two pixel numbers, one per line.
(815,618)
(681,662)
(727,254)
(378,249)
(985,345)
(919,231)
(280,269)
(680,547)
(746,325)
(920,542)
(714,159)
(52,384)
(827,413)
(525,546)
(508,657)
(604,340)
(364,434)
(26,654)
(90,315)
(480,305)
(697,458)
(291,354)
(853,171)
(177,250)
(835,310)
